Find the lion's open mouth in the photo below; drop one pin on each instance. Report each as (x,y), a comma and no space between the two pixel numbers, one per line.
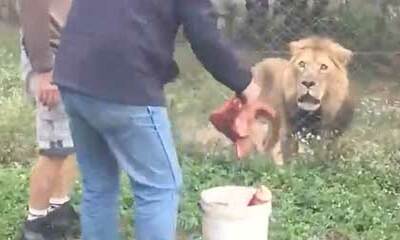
(308,102)
(307,98)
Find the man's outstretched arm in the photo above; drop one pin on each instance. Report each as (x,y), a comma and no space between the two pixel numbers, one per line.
(209,46)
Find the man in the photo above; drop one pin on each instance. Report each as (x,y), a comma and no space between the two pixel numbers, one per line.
(111,68)
(50,214)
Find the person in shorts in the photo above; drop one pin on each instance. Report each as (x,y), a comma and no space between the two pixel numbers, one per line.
(50,214)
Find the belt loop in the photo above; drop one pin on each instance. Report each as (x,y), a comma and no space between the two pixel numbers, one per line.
(149,110)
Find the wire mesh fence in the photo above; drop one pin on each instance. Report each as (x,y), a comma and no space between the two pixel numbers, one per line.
(370,28)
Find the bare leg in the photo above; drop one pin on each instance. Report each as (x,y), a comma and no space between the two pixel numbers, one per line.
(66,179)
(43,176)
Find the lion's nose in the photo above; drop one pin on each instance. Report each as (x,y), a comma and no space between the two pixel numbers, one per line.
(308,84)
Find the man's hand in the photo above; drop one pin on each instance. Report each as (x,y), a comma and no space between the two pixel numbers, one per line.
(251,93)
(47,93)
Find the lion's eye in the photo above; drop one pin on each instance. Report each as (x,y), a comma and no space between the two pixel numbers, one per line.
(302,64)
(324,67)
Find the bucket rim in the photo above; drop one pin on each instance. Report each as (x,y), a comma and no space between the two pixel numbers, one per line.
(204,203)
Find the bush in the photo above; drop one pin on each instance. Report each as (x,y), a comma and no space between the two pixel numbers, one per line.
(17,120)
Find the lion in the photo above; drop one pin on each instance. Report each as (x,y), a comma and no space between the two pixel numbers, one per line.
(310,93)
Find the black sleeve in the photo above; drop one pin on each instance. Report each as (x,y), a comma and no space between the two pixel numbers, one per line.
(209,45)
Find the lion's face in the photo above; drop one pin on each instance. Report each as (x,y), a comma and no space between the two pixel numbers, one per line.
(317,71)
(312,71)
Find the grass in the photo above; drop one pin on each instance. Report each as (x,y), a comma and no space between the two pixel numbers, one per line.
(352,195)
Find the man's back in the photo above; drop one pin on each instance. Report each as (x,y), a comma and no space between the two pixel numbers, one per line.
(122,50)
(119,49)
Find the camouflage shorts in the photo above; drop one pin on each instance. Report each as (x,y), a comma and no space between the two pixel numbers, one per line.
(53,134)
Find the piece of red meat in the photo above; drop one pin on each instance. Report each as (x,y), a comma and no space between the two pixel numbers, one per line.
(234,119)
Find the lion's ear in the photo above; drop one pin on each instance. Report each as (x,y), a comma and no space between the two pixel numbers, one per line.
(344,55)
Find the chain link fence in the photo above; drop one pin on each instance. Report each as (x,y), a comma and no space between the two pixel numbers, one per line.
(371,28)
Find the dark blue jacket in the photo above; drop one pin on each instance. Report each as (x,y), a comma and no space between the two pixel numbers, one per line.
(122,50)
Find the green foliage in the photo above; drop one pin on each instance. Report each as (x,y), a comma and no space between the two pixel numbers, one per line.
(357,199)
(13,198)
(17,119)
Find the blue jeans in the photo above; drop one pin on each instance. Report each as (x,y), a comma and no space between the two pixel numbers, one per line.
(137,140)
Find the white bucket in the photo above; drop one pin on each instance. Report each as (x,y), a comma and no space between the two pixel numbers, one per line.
(226,215)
